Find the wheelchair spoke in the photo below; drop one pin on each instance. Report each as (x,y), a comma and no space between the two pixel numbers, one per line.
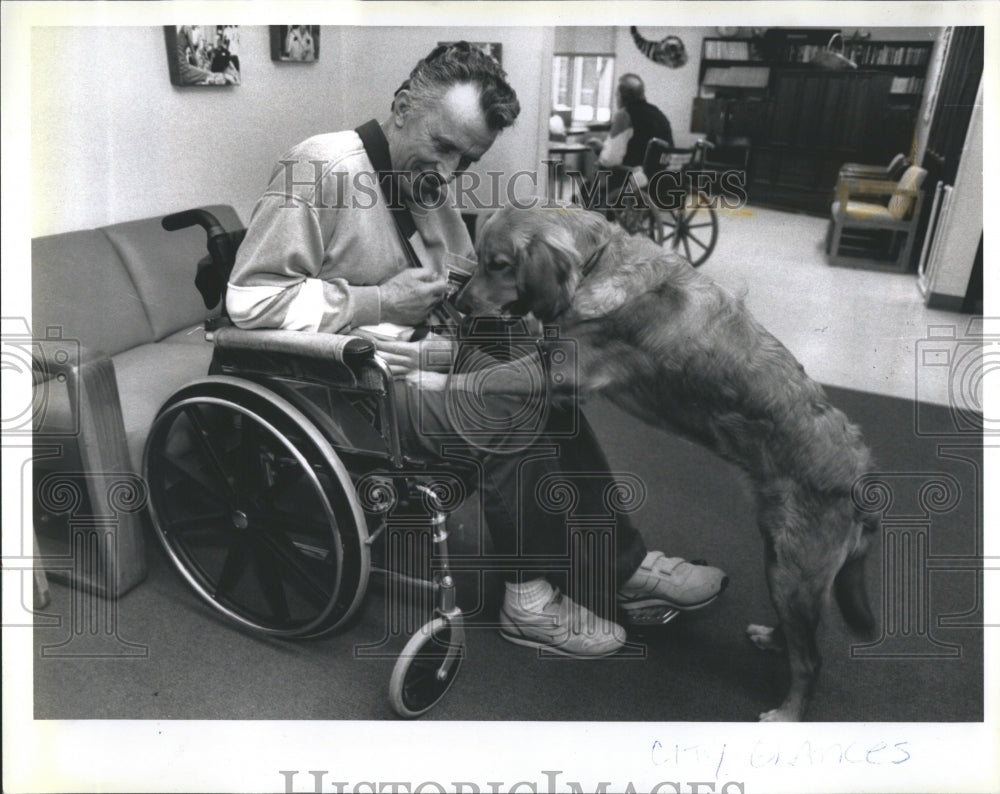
(302,524)
(301,579)
(192,474)
(699,242)
(270,582)
(233,567)
(202,436)
(205,522)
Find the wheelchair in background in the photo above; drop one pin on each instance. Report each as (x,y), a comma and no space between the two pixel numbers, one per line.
(272,482)
(671,210)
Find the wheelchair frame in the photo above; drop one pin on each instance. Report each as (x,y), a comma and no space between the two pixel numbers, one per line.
(272,479)
(695,221)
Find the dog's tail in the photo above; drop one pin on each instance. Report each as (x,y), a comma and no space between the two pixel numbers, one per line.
(849,583)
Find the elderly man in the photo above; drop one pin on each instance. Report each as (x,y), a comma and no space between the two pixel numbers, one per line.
(633,125)
(329,248)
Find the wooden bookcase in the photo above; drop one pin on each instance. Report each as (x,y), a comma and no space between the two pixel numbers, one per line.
(798,122)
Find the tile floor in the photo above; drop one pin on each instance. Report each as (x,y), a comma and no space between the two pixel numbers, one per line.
(860,329)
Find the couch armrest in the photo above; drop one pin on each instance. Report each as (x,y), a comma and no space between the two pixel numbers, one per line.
(116,494)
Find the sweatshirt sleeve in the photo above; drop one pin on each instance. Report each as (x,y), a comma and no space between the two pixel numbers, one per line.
(275,282)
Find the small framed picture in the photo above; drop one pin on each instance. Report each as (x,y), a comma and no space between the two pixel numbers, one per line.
(203,54)
(489,47)
(295,43)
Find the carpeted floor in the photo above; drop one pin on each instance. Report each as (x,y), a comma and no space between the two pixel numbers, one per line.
(173,659)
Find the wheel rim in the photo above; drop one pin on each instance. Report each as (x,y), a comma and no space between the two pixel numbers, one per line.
(691,232)
(421,686)
(246,506)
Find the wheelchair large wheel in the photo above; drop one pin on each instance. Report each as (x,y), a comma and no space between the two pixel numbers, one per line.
(691,231)
(426,668)
(642,220)
(255,509)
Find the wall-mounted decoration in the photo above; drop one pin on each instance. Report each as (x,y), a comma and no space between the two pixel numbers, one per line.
(295,43)
(203,54)
(489,47)
(669,51)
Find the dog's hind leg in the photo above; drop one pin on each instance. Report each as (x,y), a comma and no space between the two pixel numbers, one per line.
(798,603)
(802,557)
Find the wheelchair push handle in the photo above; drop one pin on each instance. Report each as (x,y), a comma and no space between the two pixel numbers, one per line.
(195,217)
(221,245)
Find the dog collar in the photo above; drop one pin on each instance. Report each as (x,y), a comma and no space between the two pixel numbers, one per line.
(591,262)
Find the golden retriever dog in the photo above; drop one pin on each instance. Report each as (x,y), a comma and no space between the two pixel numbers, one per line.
(666,343)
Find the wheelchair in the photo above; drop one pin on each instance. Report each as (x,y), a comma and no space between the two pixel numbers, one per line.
(670,209)
(273,480)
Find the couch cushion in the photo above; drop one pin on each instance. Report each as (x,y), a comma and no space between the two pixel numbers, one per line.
(80,285)
(146,376)
(163,266)
(191,335)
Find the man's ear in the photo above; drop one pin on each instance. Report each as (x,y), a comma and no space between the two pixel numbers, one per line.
(402,104)
(546,265)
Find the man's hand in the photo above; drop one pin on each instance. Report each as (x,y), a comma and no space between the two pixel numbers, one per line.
(404,358)
(407,298)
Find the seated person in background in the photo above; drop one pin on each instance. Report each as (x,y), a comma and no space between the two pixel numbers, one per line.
(321,254)
(633,125)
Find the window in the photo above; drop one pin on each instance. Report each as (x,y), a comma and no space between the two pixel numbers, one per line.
(582,87)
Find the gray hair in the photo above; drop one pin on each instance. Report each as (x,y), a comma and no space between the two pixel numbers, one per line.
(459,63)
(631,89)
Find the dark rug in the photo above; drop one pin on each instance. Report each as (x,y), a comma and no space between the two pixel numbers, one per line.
(172,658)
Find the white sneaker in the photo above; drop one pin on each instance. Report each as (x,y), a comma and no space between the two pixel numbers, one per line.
(561,626)
(673,582)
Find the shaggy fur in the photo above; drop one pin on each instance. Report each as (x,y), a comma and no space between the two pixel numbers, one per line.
(666,343)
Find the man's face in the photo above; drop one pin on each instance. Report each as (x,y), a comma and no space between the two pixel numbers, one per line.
(438,138)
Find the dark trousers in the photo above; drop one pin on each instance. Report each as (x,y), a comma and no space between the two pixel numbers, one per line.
(535,485)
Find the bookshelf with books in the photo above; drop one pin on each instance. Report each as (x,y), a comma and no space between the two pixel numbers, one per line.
(749,89)
(732,66)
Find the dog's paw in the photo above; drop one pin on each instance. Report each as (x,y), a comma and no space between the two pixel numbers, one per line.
(765,638)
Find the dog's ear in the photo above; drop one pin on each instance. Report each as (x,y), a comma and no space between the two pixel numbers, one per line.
(546,265)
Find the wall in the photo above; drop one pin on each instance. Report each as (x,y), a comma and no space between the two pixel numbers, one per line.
(960,239)
(113,140)
(672,90)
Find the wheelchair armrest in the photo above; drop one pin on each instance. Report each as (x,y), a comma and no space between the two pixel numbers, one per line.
(350,350)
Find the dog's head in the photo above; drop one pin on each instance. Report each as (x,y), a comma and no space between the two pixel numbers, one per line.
(530,260)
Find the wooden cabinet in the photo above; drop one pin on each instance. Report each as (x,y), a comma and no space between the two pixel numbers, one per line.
(818,121)
(805,122)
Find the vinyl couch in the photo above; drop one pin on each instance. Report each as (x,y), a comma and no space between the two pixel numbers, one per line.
(117,326)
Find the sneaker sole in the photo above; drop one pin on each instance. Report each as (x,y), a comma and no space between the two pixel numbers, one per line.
(529,643)
(649,601)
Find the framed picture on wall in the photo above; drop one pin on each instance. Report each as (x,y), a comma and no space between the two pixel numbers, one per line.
(489,47)
(295,43)
(203,54)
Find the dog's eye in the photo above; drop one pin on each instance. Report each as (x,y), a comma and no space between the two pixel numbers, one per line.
(496,265)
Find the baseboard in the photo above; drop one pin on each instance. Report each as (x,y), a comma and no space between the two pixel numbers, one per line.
(951,303)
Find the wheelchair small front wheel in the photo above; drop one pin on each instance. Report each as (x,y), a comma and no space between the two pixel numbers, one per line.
(426,668)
